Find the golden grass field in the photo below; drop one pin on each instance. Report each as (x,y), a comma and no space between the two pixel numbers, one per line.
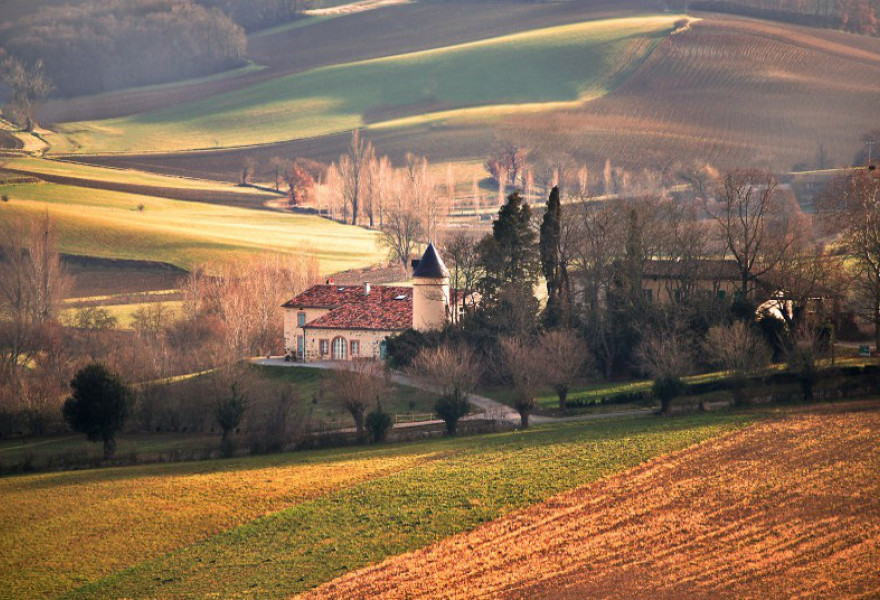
(788,508)
(60,530)
(272,526)
(108,224)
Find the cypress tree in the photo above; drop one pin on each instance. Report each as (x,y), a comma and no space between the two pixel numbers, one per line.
(551,234)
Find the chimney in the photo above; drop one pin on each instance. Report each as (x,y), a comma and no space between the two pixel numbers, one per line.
(367,288)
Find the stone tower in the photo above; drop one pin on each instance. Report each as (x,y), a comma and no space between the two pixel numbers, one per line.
(430,291)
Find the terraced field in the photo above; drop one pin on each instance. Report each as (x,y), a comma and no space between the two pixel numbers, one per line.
(783,509)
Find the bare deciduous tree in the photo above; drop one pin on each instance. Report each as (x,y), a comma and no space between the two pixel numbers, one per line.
(565,357)
(667,357)
(454,372)
(526,367)
(850,208)
(738,349)
(465,270)
(752,225)
(29,85)
(357,386)
(354,167)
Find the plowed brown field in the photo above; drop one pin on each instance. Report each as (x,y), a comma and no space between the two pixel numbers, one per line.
(733,92)
(784,509)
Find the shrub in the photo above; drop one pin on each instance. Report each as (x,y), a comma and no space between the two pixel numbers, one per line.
(378,424)
(451,408)
(665,389)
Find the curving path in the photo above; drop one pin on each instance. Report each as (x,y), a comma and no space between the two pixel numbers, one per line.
(491,409)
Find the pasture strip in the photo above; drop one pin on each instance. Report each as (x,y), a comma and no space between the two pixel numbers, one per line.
(59,531)
(785,508)
(478,480)
(186,234)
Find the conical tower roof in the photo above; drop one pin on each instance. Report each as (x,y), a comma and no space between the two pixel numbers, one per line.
(431,265)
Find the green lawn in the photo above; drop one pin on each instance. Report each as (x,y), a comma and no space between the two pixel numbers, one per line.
(592,392)
(323,407)
(532,70)
(108,224)
(269,527)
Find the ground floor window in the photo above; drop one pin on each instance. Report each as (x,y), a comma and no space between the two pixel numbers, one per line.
(383,349)
(324,347)
(355,348)
(339,348)
(300,346)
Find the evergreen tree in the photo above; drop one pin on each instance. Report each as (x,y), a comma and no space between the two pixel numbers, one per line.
(553,265)
(98,406)
(510,262)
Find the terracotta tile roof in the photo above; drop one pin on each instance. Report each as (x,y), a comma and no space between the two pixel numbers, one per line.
(325,296)
(384,308)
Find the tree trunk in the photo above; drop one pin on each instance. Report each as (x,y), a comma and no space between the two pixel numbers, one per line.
(524,419)
(359,425)
(665,406)
(109,447)
(562,391)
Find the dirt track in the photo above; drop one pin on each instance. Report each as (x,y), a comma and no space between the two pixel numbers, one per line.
(783,509)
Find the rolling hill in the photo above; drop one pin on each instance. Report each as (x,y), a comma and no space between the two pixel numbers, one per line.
(480,82)
(729,90)
(122,225)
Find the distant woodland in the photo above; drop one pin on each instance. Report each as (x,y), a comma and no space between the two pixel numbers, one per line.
(100,45)
(857,16)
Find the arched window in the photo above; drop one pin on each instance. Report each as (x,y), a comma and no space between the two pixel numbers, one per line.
(339,348)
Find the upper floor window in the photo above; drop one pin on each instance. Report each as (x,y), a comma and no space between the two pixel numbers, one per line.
(300,319)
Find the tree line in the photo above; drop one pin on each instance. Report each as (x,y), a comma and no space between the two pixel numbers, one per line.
(857,16)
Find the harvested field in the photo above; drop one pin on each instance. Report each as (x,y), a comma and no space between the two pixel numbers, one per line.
(788,508)
(106,277)
(733,92)
(710,93)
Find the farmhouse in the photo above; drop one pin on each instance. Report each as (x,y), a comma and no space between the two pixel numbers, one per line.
(668,281)
(344,322)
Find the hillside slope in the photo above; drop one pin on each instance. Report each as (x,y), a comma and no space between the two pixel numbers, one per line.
(732,91)
(785,509)
(535,70)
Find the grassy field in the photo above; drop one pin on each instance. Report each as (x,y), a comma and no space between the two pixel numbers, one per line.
(125,313)
(787,508)
(39,166)
(271,527)
(323,407)
(545,68)
(108,224)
